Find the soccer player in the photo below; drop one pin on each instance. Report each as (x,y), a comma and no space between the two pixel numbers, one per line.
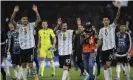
(45,35)
(64,47)
(6,55)
(77,47)
(3,44)
(123,47)
(14,49)
(107,38)
(26,40)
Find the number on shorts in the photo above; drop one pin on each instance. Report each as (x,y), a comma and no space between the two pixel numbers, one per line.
(31,57)
(67,61)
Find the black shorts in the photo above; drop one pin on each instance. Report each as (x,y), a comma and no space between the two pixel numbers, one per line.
(27,55)
(107,55)
(16,59)
(122,59)
(65,61)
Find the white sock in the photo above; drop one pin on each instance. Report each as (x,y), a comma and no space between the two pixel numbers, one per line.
(19,72)
(15,72)
(7,66)
(123,67)
(110,73)
(68,78)
(118,70)
(65,75)
(127,69)
(24,74)
(106,74)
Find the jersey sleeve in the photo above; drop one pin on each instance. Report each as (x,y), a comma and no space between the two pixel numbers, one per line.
(32,24)
(52,33)
(100,34)
(113,25)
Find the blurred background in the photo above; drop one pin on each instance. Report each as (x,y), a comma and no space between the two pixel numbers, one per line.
(92,11)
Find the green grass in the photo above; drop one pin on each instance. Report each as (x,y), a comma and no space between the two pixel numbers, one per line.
(74,75)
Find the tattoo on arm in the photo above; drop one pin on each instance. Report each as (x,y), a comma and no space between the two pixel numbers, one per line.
(56,28)
(38,18)
(117,16)
(12,19)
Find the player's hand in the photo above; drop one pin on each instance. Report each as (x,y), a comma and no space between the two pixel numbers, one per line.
(118,4)
(128,56)
(16,9)
(59,21)
(35,8)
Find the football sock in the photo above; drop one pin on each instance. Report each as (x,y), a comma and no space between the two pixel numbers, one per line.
(65,75)
(118,69)
(110,73)
(53,67)
(127,69)
(123,67)
(7,66)
(41,68)
(15,72)
(106,74)
(24,74)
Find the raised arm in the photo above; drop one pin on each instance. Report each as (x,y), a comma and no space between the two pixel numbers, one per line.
(127,24)
(58,24)
(16,9)
(38,18)
(118,12)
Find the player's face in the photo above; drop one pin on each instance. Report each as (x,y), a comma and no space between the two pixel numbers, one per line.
(106,21)
(64,26)
(123,28)
(24,20)
(44,25)
(11,27)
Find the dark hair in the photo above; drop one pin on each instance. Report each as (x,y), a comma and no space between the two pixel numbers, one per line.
(40,23)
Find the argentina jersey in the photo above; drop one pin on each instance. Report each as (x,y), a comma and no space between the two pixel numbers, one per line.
(13,41)
(122,42)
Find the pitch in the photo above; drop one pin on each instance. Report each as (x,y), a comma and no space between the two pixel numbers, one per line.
(74,75)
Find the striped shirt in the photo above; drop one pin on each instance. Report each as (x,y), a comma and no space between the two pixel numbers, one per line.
(108,37)
(65,42)
(26,36)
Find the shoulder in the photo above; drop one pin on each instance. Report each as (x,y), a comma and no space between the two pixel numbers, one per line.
(49,29)
(101,29)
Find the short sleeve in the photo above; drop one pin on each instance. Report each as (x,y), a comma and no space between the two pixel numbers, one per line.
(71,31)
(100,34)
(113,25)
(32,24)
(52,33)
(18,26)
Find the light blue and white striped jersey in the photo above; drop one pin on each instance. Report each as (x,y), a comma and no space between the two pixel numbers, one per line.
(108,37)
(65,42)
(26,35)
